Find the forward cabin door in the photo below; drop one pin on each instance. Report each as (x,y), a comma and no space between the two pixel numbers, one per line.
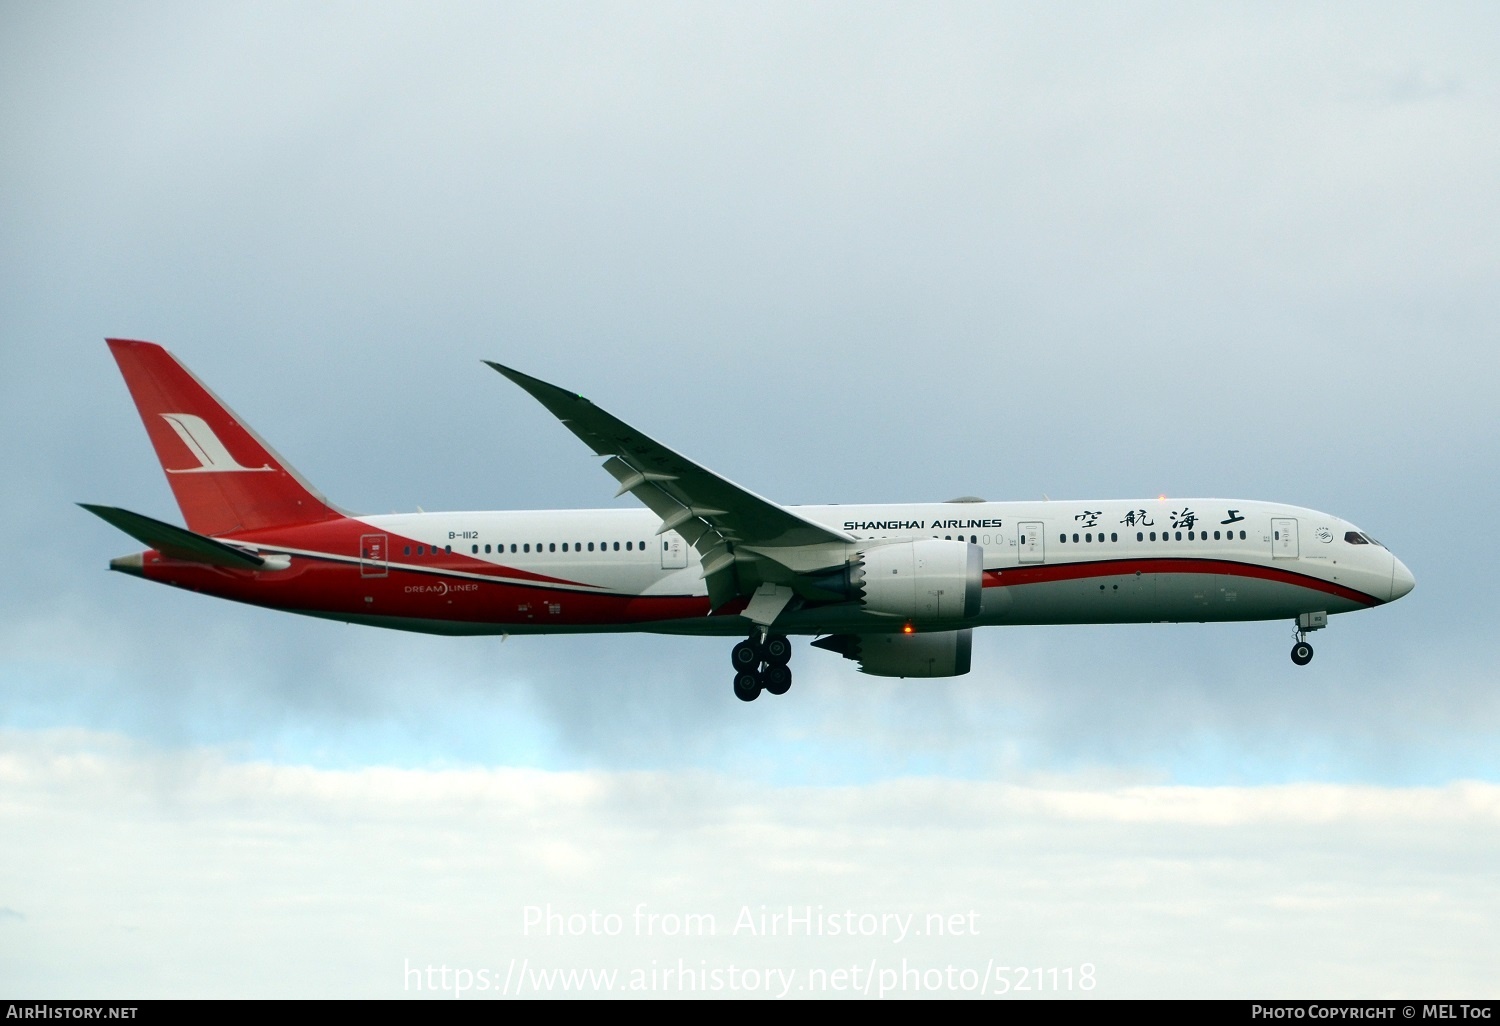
(1030,542)
(1283,538)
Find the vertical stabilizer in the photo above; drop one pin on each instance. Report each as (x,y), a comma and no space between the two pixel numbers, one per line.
(226,479)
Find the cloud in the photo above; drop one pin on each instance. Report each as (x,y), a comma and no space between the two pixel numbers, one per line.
(159,872)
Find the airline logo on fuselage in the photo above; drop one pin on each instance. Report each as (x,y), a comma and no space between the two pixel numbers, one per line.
(204,445)
(920,525)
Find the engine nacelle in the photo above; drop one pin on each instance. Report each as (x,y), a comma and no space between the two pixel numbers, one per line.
(933,654)
(927,579)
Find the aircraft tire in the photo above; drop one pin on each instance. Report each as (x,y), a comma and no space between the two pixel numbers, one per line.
(778,678)
(745,656)
(778,650)
(746,686)
(1302,653)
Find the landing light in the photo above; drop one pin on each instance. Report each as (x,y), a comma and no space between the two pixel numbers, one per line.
(907,629)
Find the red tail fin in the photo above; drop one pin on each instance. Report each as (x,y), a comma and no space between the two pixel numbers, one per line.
(225,478)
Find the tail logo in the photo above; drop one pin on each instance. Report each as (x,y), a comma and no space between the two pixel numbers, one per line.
(205,445)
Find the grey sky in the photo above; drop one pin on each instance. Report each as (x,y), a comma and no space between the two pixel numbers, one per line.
(837,253)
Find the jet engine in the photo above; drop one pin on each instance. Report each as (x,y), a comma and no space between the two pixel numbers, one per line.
(933,654)
(923,580)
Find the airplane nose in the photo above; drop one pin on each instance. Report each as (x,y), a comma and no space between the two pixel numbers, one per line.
(1401,579)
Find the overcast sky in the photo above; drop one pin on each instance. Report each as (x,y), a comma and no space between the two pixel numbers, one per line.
(838,253)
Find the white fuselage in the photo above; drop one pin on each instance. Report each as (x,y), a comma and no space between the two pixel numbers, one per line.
(1111,561)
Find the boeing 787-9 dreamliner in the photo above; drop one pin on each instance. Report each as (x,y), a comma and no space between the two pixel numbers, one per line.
(898,588)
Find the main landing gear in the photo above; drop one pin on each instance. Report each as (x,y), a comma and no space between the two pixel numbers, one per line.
(1302,652)
(760,663)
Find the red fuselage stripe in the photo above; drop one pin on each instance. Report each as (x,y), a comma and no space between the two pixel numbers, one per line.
(1047,572)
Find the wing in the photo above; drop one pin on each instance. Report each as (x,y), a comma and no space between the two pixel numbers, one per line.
(730,526)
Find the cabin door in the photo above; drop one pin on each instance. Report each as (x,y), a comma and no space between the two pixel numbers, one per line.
(1283,538)
(372,555)
(1030,541)
(673,551)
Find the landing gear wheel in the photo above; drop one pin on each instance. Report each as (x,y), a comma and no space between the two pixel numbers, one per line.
(747,685)
(777,650)
(778,678)
(745,656)
(1302,653)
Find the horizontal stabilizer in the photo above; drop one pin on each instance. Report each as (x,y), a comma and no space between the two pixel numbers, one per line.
(176,542)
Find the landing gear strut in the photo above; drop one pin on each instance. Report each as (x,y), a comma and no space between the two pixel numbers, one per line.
(760,663)
(1302,652)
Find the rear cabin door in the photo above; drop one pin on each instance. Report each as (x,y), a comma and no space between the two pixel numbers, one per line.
(372,555)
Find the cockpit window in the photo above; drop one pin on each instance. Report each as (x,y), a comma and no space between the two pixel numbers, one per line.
(1372,541)
(1355,538)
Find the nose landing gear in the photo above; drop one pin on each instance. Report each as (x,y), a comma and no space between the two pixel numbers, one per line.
(1302,652)
(760,663)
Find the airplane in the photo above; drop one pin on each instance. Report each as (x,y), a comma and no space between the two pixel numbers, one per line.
(899,589)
